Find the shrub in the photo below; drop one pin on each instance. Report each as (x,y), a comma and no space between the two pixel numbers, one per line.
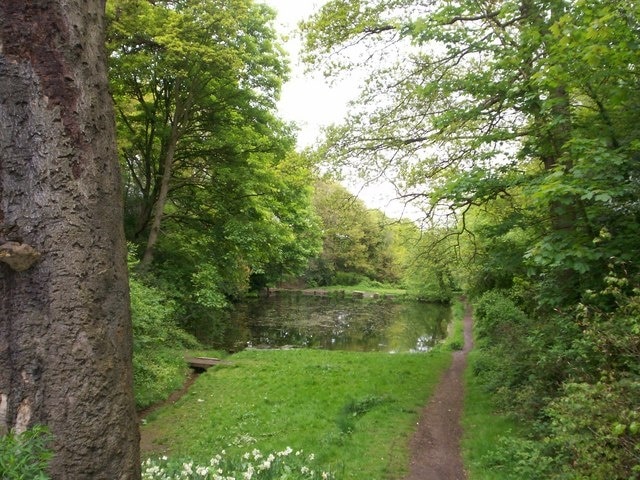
(597,428)
(158,344)
(498,319)
(348,279)
(25,456)
(519,458)
(573,376)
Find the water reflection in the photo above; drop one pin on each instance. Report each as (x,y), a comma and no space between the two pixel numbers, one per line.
(330,323)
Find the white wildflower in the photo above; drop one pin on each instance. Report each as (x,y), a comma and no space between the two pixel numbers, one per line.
(249,473)
(311,457)
(202,471)
(304,470)
(285,452)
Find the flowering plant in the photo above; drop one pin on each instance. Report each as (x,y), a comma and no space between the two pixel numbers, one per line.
(254,465)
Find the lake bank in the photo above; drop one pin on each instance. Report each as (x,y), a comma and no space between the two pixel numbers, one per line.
(355,411)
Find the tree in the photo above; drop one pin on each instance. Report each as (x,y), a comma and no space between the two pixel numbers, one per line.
(470,101)
(205,156)
(356,240)
(65,331)
(195,85)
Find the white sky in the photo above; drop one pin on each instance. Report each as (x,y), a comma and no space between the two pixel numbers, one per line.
(307,99)
(309,102)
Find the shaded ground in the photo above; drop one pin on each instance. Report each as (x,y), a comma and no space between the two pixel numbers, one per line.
(435,447)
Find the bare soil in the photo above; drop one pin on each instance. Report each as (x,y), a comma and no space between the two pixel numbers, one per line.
(435,446)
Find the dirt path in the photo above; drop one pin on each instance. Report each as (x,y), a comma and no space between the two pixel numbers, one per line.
(435,447)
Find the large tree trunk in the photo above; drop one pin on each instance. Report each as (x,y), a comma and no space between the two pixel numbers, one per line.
(65,329)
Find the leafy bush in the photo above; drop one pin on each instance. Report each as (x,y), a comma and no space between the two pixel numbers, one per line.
(518,458)
(503,363)
(498,318)
(597,428)
(158,344)
(595,419)
(25,456)
(319,273)
(573,376)
(348,278)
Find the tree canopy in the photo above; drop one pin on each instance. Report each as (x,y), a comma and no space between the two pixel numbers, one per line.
(498,100)
(215,194)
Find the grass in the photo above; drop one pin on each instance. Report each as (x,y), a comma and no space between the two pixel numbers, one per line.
(483,429)
(455,334)
(371,287)
(354,411)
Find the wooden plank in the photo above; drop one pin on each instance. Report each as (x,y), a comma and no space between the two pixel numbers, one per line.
(203,363)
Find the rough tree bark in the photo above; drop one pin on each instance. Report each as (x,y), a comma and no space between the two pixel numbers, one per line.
(65,329)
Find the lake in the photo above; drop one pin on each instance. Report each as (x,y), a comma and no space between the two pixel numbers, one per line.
(327,322)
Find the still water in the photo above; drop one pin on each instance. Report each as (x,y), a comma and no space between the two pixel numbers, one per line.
(331,323)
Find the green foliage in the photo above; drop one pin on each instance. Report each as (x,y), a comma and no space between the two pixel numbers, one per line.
(595,420)
(523,361)
(25,456)
(195,85)
(519,457)
(574,377)
(348,278)
(357,241)
(158,344)
(498,319)
(362,245)
(595,428)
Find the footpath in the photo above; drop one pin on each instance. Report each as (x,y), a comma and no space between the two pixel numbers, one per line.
(435,446)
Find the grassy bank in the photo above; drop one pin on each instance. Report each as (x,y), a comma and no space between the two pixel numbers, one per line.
(354,411)
(369,287)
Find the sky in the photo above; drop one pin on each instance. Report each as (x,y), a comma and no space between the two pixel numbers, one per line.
(309,101)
